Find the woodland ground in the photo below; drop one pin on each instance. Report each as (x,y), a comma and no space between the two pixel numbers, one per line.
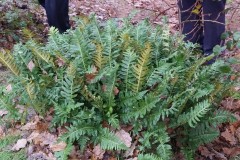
(226,146)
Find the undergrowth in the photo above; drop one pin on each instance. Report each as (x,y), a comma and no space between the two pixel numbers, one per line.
(99,77)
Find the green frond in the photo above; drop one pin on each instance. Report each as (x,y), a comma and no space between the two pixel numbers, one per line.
(108,141)
(8,61)
(148,157)
(69,88)
(221,116)
(110,47)
(144,106)
(46,57)
(76,131)
(97,101)
(140,70)
(193,117)
(201,135)
(63,155)
(125,71)
(81,48)
(166,39)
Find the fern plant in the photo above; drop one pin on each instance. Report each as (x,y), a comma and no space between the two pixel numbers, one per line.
(99,77)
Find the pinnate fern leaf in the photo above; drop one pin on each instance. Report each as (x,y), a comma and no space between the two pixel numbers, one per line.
(8,61)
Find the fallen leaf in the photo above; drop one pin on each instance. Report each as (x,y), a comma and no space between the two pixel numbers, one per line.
(124,137)
(29,126)
(45,139)
(58,147)
(228,136)
(116,91)
(98,152)
(205,152)
(60,62)
(231,152)
(21,143)
(3,112)
(32,136)
(41,126)
(9,88)
(104,88)
(30,65)
(2,133)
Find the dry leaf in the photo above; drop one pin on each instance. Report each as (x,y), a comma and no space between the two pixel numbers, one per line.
(45,139)
(231,152)
(9,88)
(58,147)
(3,112)
(29,126)
(228,136)
(205,152)
(32,136)
(116,91)
(2,133)
(124,137)
(21,143)
(60,62)
(30,65)
(98,152)
(41,126)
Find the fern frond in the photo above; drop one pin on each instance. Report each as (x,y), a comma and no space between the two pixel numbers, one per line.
(71,70)
(140,70)
(39,54)
(30,88)
(110,47)
(221,116)
(96,100)
(125,71)
(148,157)
(201,135)
(28,33)
(63,155)
(69,88)
(108,141)
(81,47)
(76,131)
(9,62)
(144,106)
(98,58)
(199,111)
(165,39)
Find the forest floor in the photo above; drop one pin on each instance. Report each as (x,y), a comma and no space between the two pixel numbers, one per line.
(15,15)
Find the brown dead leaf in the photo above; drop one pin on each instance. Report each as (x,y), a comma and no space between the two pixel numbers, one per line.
(21,143)
(228,136)
(98,152)
(9,88)
(3,112)
(45,139)
(60,62)
(2,132)
(116,91)
(231,152)
(30,65)
(29,126)
(32,136)
(41,126)
(205,152)
(104,88)
(58,147)
(124,137)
